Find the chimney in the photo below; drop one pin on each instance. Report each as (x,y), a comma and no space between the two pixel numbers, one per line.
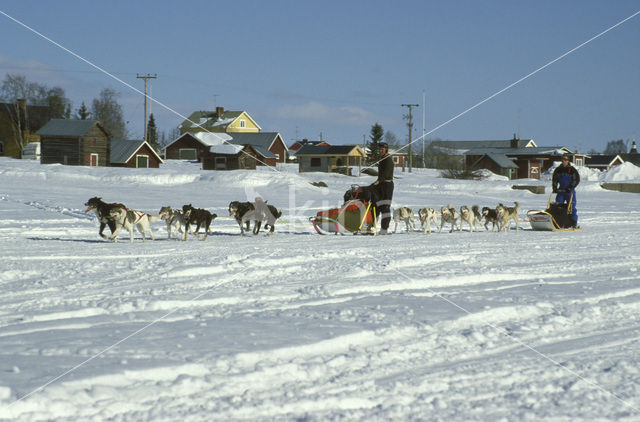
(219,111)
(515,142)
(633,150)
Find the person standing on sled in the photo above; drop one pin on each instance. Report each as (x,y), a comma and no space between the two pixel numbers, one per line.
(385,186)
(565,180)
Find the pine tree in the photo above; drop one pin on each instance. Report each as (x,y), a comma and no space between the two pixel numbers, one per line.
(152,133)
(82,113)
(377,133)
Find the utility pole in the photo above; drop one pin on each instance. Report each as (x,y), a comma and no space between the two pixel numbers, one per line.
(410,124)
(146,78)
(424,130)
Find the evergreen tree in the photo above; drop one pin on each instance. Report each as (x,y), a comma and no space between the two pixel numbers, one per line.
(82,113)
(377,133)
(152,133)
(106,109)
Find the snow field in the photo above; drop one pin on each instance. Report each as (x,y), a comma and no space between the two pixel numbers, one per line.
(460,326)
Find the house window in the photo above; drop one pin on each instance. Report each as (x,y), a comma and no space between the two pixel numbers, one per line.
(1,148)
(316,162)
(243,123)
(396,159)
(93,162)
(187,154)
(220,163)
(277,156)
(579,162)
(142,161)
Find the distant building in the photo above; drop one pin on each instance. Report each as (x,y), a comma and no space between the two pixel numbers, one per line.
(19,123)
(603,161)
(220,120)
(133,154)
(330,159)
(268,147)
(74,142)
(230,157)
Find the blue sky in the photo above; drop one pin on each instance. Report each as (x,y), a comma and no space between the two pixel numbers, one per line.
(337,67)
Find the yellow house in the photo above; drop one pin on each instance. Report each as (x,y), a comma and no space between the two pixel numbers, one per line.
(219,121)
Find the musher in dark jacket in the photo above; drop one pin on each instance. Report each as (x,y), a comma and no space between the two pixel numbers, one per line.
(385,186)
(565,180)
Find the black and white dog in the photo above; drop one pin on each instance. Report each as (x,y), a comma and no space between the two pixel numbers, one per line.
(103,211)
(242,212)
(490,216)
(199,217)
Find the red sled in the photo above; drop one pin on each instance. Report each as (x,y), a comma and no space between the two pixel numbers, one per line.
(355,217)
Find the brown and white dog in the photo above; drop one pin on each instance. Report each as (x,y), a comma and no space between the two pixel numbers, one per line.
(403,214)
(128,219)
(102,210)
(468,216)
(448,214)
(426,215)
(199,217)
(505,214)
(490,216)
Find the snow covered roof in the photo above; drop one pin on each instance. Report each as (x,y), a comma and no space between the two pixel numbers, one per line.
(226,149)
(212,138)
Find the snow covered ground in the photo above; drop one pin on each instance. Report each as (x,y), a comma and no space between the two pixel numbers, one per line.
(464,326)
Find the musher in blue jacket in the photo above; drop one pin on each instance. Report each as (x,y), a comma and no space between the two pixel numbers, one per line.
(565,180)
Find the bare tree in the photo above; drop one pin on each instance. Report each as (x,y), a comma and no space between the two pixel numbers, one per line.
(106,109)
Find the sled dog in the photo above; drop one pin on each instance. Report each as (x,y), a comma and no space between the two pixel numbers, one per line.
(468,216)
(403,214)
(490,216)
(175,220)
(128,219)
(265,212)
(102,210)
(426,215)
(198,217)
(505,214)
(448,214)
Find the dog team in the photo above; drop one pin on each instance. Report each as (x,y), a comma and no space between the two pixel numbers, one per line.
(500,216)
(116,216)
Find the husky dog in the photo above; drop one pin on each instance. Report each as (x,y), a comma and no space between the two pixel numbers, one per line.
(448,214)
(102,210)
(505,214)
(199,217)
(469,217)
(174,218)
(128,219)
(426,215)
(490,216)
(403,214)
(238,210)
(264,212)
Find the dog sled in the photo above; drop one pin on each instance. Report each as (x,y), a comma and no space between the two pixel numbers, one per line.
(556,217)
(357,215)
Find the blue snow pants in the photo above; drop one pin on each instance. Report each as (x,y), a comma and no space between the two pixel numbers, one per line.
(564,198)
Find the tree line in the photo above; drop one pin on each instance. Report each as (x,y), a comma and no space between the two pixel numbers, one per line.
(105,107)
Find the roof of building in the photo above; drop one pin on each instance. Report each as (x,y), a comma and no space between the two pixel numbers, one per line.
(122,150)
(210,119)
(467,145)
(601,159)
(261,139)
(552,150)
(67,128)
(328,150)
(500,159)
